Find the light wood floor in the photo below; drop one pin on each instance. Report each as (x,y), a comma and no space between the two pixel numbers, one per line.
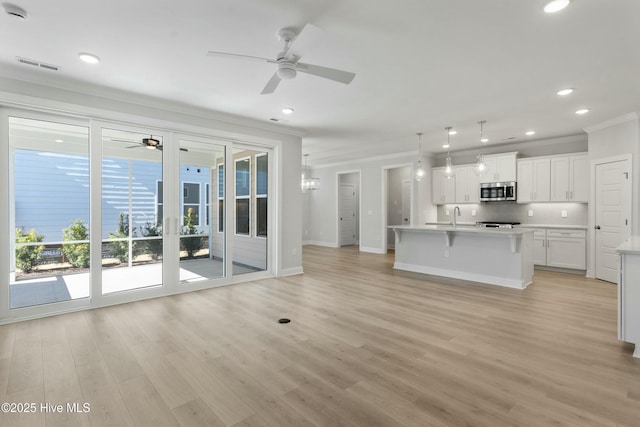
(367,346)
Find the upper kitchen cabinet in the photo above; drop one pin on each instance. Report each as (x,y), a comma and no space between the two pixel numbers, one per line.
(570,178)
(500,168)
(443,189)
(467,184)
(534,180)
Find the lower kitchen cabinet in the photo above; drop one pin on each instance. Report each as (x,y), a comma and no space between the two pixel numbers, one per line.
(562,248)
(629,293)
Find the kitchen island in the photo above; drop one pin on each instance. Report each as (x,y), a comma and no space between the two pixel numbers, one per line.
(496,256)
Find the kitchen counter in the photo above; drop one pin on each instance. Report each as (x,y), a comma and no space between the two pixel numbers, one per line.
(630,246)
(498,256)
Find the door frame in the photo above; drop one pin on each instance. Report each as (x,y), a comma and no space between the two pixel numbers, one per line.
(384,207)
(338,235)
(628,206)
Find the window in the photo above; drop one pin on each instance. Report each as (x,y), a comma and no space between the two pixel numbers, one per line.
(220,198)
(243,195)
(191,202)
(261,195)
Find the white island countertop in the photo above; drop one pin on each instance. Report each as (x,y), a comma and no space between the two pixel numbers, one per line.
(630,246)
(462,229)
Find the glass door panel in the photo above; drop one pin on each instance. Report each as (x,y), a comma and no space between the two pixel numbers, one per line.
(250,224)
(132,211)
(50,212)
(202,238)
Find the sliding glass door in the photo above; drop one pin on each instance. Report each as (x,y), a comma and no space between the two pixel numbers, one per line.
(49,215)
(102,213)
(201,185)
(132,210)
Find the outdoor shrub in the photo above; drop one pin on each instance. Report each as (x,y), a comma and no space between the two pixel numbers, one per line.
(76,253)
(120,249)
(27,257)
(152,246)
(193,243)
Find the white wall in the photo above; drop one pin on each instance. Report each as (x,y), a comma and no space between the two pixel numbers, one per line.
(322,203)
(616,137)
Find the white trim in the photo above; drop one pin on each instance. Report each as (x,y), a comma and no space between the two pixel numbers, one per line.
(291,271)
(321,243)
(372,250)
(461,275)
(612,122)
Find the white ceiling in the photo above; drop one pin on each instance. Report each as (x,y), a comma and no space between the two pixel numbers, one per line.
(421,65)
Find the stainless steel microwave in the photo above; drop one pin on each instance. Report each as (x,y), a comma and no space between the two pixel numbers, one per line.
(497,191)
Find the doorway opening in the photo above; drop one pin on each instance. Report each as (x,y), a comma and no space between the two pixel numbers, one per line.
(348,205)
(397,199)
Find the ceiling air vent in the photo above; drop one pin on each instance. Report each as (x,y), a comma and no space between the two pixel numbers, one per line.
(38,64)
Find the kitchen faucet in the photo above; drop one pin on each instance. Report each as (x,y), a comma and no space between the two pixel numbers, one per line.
(456,209)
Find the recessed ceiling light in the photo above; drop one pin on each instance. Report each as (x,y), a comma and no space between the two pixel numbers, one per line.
(565,92)
(446,146)
(530,132)
(89,58)
(582,111)
(287,110)
(556,5)
(484,140)
(59,140)
(453,132)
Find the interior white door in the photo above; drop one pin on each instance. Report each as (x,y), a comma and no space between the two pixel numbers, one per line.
(406,202)
(612,215)
(347,215)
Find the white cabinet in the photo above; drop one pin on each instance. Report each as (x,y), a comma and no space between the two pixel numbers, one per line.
(500,168)
(467,184)
(629,299)
(570,178)
(443,189)
(534,180)
(562,248)
(540,246)
(567,249)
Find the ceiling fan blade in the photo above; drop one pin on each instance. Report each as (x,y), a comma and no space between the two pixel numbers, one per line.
(134,146)
(309,37)
(238,56)
(272,84)
(328,73)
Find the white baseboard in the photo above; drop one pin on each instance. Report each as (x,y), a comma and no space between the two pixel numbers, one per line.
(325,244)
(372,250)
(462,275)
(291,271)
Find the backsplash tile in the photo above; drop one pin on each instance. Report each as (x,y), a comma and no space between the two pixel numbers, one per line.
(543,213)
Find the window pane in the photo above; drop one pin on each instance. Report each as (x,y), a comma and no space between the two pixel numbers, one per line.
(261,178)
(191,193)
(261,217)
(220,180)
(243,178)
(242,216)
(50,256)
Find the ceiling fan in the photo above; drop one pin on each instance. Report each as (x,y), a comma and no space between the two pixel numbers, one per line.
(151,143)
(287,61)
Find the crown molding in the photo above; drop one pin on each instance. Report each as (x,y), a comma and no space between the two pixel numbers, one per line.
(612,122)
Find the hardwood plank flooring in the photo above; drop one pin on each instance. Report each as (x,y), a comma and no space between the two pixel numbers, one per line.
(367,346)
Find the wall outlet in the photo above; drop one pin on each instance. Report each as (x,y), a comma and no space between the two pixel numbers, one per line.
(294,252)
(563,214)
(473,212)
(446,212)
(446,253)
(530,212)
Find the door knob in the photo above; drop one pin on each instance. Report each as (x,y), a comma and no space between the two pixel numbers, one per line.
(597,227)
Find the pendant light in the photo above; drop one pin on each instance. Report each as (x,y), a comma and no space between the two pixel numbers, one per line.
(309,183)
(481,167)
(448,168)
(419,170)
